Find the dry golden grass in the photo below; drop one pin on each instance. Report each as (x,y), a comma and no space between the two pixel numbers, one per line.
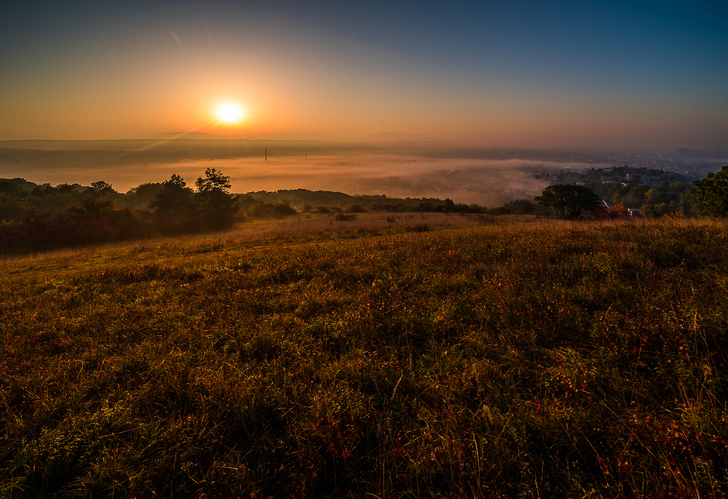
(439,356)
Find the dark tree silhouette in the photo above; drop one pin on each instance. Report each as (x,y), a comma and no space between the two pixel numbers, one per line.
(174,199)
(174,207)
(214,180)
(92,208)
(214,204)
(568,201)
(101,187)
(713,193)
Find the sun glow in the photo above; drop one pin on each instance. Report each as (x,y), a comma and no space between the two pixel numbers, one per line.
(229,113)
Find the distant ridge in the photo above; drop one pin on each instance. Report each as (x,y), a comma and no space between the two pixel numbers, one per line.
(14,136)
(188,135)
(397,136)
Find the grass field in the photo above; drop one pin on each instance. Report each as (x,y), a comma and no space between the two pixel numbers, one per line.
(422,356)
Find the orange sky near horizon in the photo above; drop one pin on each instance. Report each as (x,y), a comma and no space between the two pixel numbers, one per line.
(353,74)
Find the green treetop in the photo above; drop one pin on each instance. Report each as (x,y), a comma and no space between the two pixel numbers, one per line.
(713,193)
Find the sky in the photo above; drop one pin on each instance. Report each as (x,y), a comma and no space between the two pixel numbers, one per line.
(491,74)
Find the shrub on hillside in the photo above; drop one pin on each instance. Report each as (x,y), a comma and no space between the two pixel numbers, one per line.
(270,210)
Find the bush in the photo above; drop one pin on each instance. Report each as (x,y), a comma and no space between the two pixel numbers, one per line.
(270,210)
(713,193)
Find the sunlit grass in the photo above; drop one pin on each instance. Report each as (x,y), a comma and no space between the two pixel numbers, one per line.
(457,356)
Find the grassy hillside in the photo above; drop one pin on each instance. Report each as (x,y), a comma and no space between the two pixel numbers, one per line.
(441,357)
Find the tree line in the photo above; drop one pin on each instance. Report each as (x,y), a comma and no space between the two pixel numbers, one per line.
(706,197)
(43,217)
(34,217)
(94,217)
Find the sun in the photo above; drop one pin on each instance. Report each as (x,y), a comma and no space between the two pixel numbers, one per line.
(229,113)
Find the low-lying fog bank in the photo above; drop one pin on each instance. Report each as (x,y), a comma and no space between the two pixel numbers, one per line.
(488,177)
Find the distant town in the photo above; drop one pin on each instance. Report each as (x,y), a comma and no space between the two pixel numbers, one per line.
(612,175)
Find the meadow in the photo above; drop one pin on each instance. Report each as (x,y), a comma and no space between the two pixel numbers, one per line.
(417,355)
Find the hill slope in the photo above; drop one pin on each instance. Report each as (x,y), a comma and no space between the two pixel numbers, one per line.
(528,359)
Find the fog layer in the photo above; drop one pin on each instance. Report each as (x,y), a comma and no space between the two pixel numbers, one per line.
(488,177)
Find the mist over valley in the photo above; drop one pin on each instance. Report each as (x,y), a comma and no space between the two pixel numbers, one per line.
(488,177)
